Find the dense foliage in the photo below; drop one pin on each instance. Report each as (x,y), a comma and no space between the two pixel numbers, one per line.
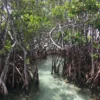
(26,33)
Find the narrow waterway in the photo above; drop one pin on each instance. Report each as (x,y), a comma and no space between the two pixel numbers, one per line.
(51,87)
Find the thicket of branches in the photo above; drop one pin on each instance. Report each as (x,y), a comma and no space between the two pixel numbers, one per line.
(20,45)
(77,35)
(26,34)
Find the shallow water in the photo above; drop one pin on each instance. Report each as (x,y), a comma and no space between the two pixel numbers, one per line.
(51,87)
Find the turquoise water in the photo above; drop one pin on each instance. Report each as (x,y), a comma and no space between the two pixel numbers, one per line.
(51,87)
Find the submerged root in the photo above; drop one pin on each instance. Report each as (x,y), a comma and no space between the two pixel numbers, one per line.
(14,74)
(77,65)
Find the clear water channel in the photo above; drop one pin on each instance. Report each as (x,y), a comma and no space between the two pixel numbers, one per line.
(51,87)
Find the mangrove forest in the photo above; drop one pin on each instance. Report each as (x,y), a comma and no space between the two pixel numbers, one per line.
(49,49)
